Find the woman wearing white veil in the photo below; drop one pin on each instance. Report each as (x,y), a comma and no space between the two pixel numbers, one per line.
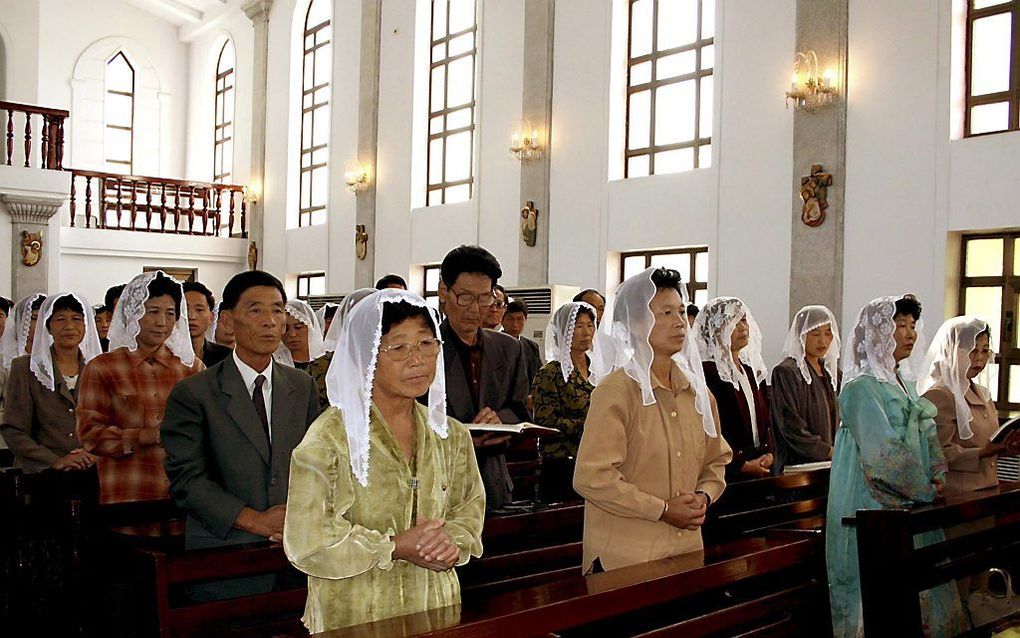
(319,367)
(730,344)
(887,455)
(19,330)
(302,341)
(39,423)
(325,315)
(122,393)
(805,411)
(966,414)
(385,495)
(651,460)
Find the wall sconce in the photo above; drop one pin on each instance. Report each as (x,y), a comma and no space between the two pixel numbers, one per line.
(355,176)
(810,90)
(525,143)
(253,192)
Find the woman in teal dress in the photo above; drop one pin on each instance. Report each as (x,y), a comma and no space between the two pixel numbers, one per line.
(887,455)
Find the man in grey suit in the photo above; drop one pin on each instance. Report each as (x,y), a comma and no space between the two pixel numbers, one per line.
(486,374)
(230,430)
(514,318)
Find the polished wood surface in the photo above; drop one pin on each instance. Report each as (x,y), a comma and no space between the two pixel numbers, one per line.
(50,127)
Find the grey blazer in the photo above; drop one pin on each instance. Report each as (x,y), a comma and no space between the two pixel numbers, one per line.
(533,357)
(217,456)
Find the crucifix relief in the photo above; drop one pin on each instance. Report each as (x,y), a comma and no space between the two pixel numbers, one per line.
(814,192)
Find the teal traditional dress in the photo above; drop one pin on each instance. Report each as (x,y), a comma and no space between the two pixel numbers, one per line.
(887,455)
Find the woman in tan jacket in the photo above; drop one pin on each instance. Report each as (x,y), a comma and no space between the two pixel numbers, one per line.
(966,414)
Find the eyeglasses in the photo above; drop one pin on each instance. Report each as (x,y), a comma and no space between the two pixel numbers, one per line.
(498,305)
(465,299)
(402,351)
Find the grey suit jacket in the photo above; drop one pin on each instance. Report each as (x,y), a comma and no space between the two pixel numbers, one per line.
(217,456)
(533,357)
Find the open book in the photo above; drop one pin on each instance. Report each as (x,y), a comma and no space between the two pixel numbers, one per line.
(1004,431)
(528,430)
(807,467)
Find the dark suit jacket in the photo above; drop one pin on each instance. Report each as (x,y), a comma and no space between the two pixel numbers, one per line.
(217,456)
(503,387)
(533,357)
(213,353)
(735,418)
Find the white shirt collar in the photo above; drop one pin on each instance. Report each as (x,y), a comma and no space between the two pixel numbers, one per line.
(248,374)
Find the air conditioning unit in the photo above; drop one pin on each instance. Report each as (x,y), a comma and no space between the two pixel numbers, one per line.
(318,301)
(541,302)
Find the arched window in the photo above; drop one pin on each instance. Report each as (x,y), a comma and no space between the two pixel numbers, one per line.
(119,108)
(315,112)
(223,124)
(670,58)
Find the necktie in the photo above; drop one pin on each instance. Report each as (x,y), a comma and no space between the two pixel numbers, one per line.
(260,406)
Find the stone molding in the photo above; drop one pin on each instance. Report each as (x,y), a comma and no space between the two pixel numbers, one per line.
(32,210)
(257,10)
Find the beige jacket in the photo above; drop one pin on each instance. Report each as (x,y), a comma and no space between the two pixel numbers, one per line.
(967,472)
(632,458)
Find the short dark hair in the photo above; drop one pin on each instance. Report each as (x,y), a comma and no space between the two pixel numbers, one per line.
(112,295)
(64,302)
(586,311)
(502,290)
(692,310)
(99,309)
(470,259)
(330,312)
(397,312)
(163,284)
(248,279)
(197,286)
(580,296)
(37,304)
(517,305)
(664,278)
(908,304)
(6,305)
(388,280)
(987,332)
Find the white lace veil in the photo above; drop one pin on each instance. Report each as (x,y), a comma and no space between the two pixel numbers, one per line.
(714,328)
(870,345)
(344,309)
(124,324)
(352,373)
(320,314)
(622,342)
(947,362)
(14,342)
(41,363)
(300,310)
(210,332)
(807,319)
(559,334)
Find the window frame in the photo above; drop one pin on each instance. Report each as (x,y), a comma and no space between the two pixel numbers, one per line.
(693,285)
(220,95)
(130,163)
(1012,95)
(1006,353)
(653,85)
(426,292)
(305,279)
(306,215)
(443,185)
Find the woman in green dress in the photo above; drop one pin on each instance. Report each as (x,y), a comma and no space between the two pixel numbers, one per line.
(886,455)
(385,495)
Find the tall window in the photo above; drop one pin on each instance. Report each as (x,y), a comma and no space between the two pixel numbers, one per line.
(993,67)
(311,283)
(430,289)
(990,289)
(451,102)
(119,114)
(315,112)
(691,263)
(223,126)
(670,57)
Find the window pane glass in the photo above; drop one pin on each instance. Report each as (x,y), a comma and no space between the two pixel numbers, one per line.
(680,262)
(990,52)
(700,298)
(118,109)
(981,4)
(707,18)
(637,166)
(118,144)
(460,81)
(317,218)
(640,28)
(458,119)
(456,194)
(119,75)
(317,285)
(705,107)
(985,302)
(639,119)
(708,57)
(438,18)
(1014,384)
(438,52)
(989,378)
(676,64)
(431,279)
(674,113)
(318,12)
(458,156)
(633,265)
(438,88)
(701,267)
(988,118)
(984,258)
(308,77)
(323,64)
(436,161)
(674,161)
(226,57)
(320,184)
(705,156)
(1016,256)
(640,73)
(462,44)
(462,15)
(320,123)
(436,125)
(677,22)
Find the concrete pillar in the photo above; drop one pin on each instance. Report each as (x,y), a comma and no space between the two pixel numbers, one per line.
(31,215)
(258,12)
(368,138)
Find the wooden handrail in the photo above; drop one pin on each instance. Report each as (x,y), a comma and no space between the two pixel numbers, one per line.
(51,147)
(33,109)
(159,180)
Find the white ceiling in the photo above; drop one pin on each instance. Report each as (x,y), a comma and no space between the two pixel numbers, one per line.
(179,12)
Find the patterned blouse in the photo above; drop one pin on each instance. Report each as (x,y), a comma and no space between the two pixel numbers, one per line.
(318,369)
(562,405)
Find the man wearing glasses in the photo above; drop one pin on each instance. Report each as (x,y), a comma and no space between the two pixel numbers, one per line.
(486,373)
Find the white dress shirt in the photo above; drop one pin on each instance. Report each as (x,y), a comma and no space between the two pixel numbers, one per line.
(248,375)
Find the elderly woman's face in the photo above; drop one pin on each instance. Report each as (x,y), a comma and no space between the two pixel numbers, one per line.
(740,336)
(67,327)
(406,364)
(157,321)
(979,356)
(670,328)
(817,341)
(905,336)
(296,336)
(584,332)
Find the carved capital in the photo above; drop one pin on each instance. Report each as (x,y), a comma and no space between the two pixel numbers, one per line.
(257,10)
(31,210)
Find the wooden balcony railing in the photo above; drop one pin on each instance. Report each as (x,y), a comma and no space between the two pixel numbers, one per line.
(49,126)
(157,205)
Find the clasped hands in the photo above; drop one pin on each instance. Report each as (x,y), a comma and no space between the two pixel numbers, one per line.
(686,510)
(427,545)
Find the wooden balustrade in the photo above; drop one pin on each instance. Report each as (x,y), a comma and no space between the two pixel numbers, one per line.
(50,130)
(158,205)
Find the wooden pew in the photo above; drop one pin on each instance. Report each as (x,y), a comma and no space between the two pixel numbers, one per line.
(554,525)
(885,546)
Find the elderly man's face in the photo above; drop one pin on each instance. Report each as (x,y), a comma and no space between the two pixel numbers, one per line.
(467,301)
